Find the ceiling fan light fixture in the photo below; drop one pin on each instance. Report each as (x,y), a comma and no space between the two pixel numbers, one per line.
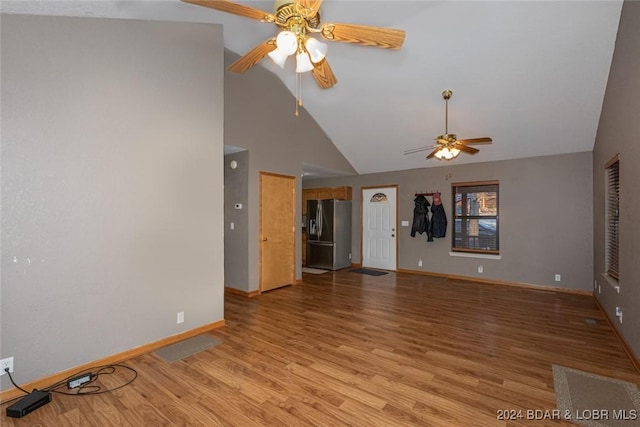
(278,57)
(303,62)
(446,153)
(287,42)
(316,49)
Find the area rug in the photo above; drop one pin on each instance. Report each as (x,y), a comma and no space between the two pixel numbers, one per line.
(593,400)
(186,348)
(313,270)
(368,272)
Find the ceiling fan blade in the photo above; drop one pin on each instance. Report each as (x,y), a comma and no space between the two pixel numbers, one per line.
(307,8)
(466,149)
(417,150)
(323,74)
(235,8)
(253,57)
(485,140)
(433,153)
(387,38)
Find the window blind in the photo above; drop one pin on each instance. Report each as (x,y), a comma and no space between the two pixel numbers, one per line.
(612,177)
(475,217)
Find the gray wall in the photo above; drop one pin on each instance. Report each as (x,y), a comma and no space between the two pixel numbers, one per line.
(112,146)
(619,132)
(236,240)
(545,219)
(259,117)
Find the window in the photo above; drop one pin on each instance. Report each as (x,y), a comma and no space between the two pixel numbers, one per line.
(475,217)
(612,177)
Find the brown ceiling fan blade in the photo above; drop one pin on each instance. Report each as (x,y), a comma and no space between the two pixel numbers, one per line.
(253,57)
(417,150)
(433,153)
(466,149)
(485,140)
(235,8)
(307,8)
(387,38)
(323,74)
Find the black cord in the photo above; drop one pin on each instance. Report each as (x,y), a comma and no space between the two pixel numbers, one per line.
(90,389)
(85,389)
(14,383)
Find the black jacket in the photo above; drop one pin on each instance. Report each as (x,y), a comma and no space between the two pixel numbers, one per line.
(421,217)
(438,221)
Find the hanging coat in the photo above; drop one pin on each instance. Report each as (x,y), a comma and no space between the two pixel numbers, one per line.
(421,217)
(438,218)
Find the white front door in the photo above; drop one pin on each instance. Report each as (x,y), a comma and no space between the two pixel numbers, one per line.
(379,241)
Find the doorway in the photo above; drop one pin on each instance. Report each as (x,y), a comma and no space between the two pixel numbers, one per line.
(277,230)
(379,228)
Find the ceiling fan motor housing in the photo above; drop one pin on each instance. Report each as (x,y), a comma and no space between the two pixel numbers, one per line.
(449,137)
(287,16)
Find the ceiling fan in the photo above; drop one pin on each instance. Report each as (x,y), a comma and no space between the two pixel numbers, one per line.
(448,146)
(299,21)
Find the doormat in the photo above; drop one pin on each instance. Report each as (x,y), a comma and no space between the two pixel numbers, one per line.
(313,270)
(188,347)
(593,400)
(368,272)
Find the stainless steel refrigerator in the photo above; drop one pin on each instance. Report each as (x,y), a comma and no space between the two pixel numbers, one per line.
(329,233)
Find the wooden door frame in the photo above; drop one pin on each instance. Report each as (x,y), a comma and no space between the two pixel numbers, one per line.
(371,187)
(260,231)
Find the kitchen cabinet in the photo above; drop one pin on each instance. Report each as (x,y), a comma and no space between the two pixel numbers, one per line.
(340,193)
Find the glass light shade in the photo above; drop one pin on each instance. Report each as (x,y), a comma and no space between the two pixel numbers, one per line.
(287,42)
(317,50)
(303,63)
(278,57)
(447,154)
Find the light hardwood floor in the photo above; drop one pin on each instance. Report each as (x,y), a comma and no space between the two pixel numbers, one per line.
(349,349)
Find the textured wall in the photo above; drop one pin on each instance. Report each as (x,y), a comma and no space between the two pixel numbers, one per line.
(259,117)
(545,219)
(236,240)
(618,133)
(111,181)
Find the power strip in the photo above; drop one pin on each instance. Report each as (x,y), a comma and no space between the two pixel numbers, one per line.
(29,403)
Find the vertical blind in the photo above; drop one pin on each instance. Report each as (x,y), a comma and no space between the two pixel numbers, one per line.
(612,215)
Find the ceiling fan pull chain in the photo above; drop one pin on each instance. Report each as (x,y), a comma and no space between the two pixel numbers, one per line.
(298,92)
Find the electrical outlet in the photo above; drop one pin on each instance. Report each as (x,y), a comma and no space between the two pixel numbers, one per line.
(595,284)
(558,277)
(180,317)
(419,263)
(6,363)
(480,269)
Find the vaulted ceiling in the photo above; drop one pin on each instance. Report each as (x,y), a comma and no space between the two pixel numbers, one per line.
(529,74)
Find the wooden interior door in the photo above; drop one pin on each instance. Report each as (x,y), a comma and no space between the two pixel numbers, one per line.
(277,230)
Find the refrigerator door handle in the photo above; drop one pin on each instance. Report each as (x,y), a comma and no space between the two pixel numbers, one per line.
(319,218)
